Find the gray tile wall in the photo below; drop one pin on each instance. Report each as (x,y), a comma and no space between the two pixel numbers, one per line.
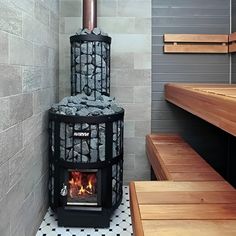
(128,22)
(28,86)
(189,17)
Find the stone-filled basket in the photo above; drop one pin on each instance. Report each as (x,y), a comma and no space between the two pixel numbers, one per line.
(90,64)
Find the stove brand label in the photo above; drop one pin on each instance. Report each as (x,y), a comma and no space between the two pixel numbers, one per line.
(82,134)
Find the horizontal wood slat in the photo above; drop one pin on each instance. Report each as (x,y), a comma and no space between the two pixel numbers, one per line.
(188,48)
(169,186)
(189,227)
(186,197)
(232,42)
(232,37)
(196,38)
(188,211)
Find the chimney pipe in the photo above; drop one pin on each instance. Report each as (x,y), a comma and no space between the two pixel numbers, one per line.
(90,14)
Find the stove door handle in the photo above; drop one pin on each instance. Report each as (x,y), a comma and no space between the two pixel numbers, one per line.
(64,190)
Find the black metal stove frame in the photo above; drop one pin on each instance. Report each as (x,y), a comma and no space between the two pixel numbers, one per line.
(110,171)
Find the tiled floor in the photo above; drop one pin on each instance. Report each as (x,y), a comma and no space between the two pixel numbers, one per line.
(120,223)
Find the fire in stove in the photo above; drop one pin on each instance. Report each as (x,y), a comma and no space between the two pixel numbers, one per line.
(82,188)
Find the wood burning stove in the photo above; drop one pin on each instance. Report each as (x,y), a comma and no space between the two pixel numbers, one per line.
(86,136)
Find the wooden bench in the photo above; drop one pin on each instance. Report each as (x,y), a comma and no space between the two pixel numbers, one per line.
(171,158)
(168,208)
(192,198)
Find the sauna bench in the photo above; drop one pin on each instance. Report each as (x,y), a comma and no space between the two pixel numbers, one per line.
(168,208)
(171,158)
(214,103)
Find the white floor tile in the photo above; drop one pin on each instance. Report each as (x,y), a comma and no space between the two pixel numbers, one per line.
(119,226)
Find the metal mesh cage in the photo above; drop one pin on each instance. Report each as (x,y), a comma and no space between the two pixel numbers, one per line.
(117,182)
(87,140)
(90,65)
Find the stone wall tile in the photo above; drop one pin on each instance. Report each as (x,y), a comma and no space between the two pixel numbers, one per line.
(11,81)
(21,107)
(15,168)
(10,142)
(31,78)
(72,25)
(142,128)
(129,162)
(127,77)
(123,60)
(107,8)
(34,30)
(4,218)
(143,25)
(4,56)
(19,223)
(21,51)
(10,19)
(140,8)
(125,43)
(123,94)
(137,112)
(42,100)
(134,145)
(54,21)
(4,179)
(4,111)
(32,127)
(24,5)
(70,8)
(129,129)
(40,55)
(41,12)
(142,94)
(124,25)
(142,61)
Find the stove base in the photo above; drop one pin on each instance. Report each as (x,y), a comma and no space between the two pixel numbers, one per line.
(87,219)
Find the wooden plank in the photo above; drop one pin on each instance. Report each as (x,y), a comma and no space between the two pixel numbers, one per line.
(135,213)
(165,138)
(166,186)
(153,157)
(186,197)
(196,38)
(188,212)
(232,37)
(189,227)
(212,176)
(192,48)
(189,168)
(232,47)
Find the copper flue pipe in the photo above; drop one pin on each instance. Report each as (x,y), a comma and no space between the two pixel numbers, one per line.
(90,14)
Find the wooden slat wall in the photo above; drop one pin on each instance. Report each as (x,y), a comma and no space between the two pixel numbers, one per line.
(188,17)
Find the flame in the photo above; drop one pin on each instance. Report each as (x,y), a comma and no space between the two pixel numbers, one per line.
(81,184)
